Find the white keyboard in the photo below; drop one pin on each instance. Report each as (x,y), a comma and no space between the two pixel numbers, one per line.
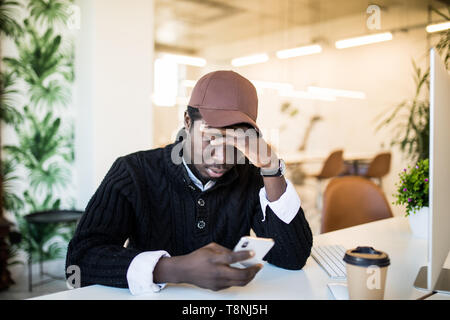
(330,258)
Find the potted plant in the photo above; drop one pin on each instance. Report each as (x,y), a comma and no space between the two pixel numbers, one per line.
(412,191)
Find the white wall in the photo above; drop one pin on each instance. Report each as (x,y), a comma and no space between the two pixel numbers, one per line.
(113,86)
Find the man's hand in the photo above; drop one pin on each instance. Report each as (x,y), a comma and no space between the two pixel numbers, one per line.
(207,267)
(248,142)
(256,150)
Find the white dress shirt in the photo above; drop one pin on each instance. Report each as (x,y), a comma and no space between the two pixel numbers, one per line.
(140,271)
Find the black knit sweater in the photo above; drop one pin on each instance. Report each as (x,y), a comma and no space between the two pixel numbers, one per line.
(147,198)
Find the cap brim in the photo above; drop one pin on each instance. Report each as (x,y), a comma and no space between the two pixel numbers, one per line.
(223,118)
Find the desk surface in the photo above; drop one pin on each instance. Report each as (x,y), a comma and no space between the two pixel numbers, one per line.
(407,255)
(439,296)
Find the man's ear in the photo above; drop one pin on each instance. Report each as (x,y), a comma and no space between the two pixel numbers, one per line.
(187,121)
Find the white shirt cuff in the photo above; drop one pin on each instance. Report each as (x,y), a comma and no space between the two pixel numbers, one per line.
(140,272)
(286,207)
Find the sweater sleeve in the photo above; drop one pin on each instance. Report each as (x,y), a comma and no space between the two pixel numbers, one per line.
(97,247)
(293,240)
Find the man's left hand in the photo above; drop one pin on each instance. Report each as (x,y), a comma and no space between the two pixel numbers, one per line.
(248,142)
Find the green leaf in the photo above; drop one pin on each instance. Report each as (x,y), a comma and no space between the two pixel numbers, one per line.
(9,11)
(43,66)
(11,200)
(8,107)
(50,179)
(49,11)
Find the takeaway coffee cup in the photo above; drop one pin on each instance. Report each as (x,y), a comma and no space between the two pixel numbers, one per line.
(366,273)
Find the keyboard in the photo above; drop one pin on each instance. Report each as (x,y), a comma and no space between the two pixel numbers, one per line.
(330,258)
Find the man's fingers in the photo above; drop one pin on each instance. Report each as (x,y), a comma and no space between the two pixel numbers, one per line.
(240,277)
(228,257)
(228,133)
(240,145)
(241,255)
(212,132)
(246,274)
(228,141)
(218,248)
(237,132)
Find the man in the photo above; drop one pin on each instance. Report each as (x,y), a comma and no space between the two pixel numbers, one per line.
(185,206)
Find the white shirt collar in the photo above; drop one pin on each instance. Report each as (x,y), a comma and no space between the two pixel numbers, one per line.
(196,181)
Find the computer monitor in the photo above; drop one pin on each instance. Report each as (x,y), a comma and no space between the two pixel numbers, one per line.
(434,277)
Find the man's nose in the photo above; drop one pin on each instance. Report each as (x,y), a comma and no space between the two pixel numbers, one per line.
(219,154)
(223,154)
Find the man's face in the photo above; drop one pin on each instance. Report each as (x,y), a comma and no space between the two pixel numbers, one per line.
(210,162)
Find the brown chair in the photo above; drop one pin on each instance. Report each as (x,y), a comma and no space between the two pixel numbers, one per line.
(379,167)
(352,200)
(332,167)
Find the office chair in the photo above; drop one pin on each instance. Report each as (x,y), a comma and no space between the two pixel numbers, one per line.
(352,200)
(379,167)
(332,167)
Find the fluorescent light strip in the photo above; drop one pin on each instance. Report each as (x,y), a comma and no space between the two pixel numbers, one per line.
(253,59)
(187,60)
(438,27)
(300,51)
(337,92)
(306,95)
(360,41)
(272,85)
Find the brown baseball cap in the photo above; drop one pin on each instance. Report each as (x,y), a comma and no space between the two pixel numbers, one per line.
(224,98)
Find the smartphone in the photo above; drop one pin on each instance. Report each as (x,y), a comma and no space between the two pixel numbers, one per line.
(260,246)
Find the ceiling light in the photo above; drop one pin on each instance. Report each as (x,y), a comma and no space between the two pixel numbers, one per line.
(337,92)
(272,85)
(359,41)
(307,95)
(253,59)
(438,27)
(187,60)
(300,51)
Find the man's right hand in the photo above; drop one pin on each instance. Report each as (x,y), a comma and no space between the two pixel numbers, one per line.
(207,267)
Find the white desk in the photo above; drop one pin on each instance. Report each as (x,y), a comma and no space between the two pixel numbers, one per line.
(407,255)
(439,296)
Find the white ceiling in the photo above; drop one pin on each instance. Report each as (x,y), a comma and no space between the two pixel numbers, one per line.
(186,25)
